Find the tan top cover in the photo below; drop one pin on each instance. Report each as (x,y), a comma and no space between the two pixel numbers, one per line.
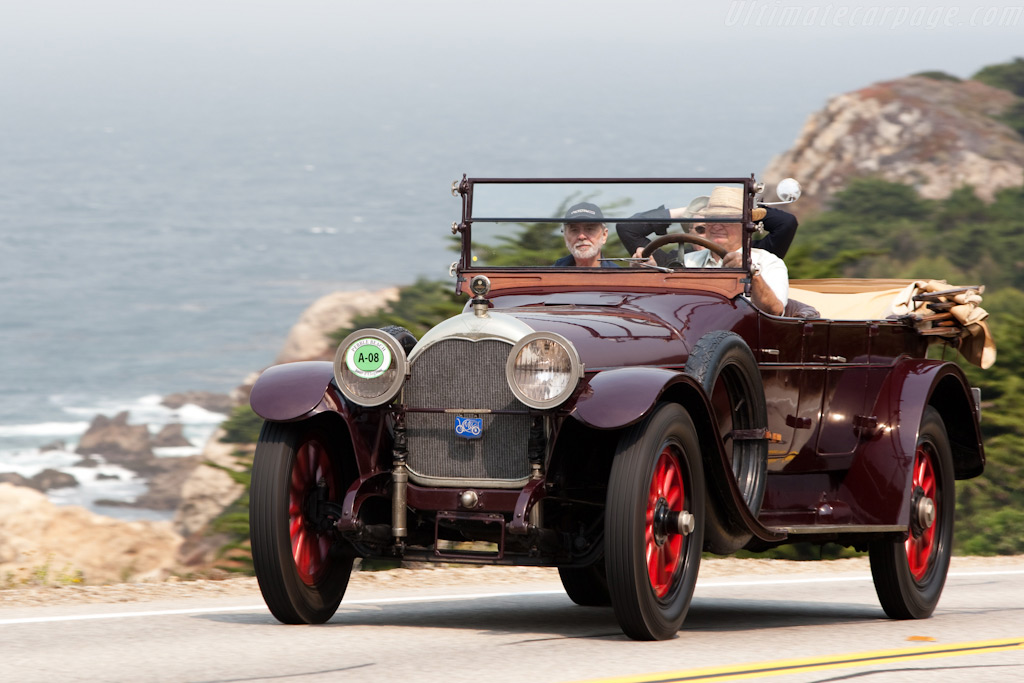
(877,299)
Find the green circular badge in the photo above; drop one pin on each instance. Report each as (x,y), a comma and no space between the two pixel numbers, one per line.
(368,358)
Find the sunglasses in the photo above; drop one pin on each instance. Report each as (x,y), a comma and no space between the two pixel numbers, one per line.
(699,229)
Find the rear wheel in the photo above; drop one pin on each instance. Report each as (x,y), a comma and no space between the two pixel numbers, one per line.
(909,575)
(726,368)
(299,565)
(654,524)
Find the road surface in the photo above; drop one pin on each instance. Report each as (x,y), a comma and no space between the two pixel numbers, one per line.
(785,622)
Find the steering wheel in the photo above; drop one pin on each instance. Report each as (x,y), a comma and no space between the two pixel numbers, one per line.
(684,237)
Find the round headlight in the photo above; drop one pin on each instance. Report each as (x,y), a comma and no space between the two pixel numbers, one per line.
(543,369)
(369,367)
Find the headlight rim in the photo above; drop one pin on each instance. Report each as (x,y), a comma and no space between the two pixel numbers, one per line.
(399,361)
(576,370)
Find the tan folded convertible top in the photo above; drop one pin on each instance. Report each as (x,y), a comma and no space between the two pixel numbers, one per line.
(947,312)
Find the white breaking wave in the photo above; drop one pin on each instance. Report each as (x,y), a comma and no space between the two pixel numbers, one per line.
(44,429)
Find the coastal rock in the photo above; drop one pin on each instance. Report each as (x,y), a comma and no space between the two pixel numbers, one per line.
(215,403)
(53,479)
(308,339)
(165,478)
(171,436)
(209,489)
(116,440)
(935,135)
(16,479)
(40,541)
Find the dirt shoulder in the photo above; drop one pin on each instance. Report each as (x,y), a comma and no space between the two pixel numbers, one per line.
(410,580)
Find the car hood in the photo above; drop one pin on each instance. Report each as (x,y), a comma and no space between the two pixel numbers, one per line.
(614,330)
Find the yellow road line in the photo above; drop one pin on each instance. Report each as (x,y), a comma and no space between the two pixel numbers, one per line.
(791,666)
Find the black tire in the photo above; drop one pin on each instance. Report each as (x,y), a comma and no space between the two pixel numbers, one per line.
(909,575)
(586,586)
(300,570)
(657,469)
(727,370)
(404,336)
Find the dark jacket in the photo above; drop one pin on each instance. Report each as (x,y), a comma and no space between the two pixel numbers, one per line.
(780,225)
(568,260)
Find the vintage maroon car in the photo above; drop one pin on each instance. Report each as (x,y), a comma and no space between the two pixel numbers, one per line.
(616,422)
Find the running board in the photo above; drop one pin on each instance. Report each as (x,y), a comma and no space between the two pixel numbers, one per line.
(838,529)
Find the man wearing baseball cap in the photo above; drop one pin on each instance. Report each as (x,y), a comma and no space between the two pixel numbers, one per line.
(585,234)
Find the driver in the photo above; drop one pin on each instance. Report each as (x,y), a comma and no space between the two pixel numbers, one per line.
(769,288)
(585,234)
(780,225)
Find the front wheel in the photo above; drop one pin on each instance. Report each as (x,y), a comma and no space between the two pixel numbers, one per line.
(909,575)
(300,566)
(654,524)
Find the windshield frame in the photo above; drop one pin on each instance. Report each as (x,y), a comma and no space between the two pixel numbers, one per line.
(466,187)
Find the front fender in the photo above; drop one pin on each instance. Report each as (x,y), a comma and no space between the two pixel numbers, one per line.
(617,398)
(614,399)
(292,390)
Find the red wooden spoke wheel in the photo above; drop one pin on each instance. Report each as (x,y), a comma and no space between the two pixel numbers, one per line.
(910,572)
(664,550)
(301,564)
(654,523)
(309,548)
(921,541)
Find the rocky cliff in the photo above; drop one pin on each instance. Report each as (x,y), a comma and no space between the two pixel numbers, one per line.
(43,543)
(935,135)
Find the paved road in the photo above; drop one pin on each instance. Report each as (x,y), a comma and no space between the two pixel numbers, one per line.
(532,632)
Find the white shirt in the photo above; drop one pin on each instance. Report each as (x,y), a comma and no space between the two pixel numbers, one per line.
(773,269)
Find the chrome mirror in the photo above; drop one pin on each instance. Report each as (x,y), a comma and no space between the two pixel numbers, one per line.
(788,191)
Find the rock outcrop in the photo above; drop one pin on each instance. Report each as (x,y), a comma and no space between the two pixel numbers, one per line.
(209,488)
(41,542)
(308,339)
(935,135)
(215,403)
(171,436)
(116,440)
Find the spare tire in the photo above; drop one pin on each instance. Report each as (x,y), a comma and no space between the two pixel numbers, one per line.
(725,366)
(403,336)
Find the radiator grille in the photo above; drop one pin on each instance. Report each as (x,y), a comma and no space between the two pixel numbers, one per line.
(457,373)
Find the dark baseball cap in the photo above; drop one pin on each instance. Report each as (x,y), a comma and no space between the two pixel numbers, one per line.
(584,212)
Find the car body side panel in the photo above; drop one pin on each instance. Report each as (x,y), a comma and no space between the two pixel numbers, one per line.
(877,486)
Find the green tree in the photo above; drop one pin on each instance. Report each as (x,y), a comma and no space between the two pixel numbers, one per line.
(1008,76)
(880,200)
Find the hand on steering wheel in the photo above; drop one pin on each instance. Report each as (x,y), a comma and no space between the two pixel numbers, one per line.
(684,237)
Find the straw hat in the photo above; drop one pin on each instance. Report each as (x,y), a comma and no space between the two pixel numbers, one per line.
(727,202)
(695,209)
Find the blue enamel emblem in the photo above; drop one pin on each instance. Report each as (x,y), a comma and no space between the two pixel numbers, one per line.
(469,427)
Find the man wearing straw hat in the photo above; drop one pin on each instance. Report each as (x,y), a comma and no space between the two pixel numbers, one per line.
(780,225)
(769,288)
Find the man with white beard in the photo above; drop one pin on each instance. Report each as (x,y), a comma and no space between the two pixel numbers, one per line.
(585,233)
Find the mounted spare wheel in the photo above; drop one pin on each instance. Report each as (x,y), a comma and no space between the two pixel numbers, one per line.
(725,366)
